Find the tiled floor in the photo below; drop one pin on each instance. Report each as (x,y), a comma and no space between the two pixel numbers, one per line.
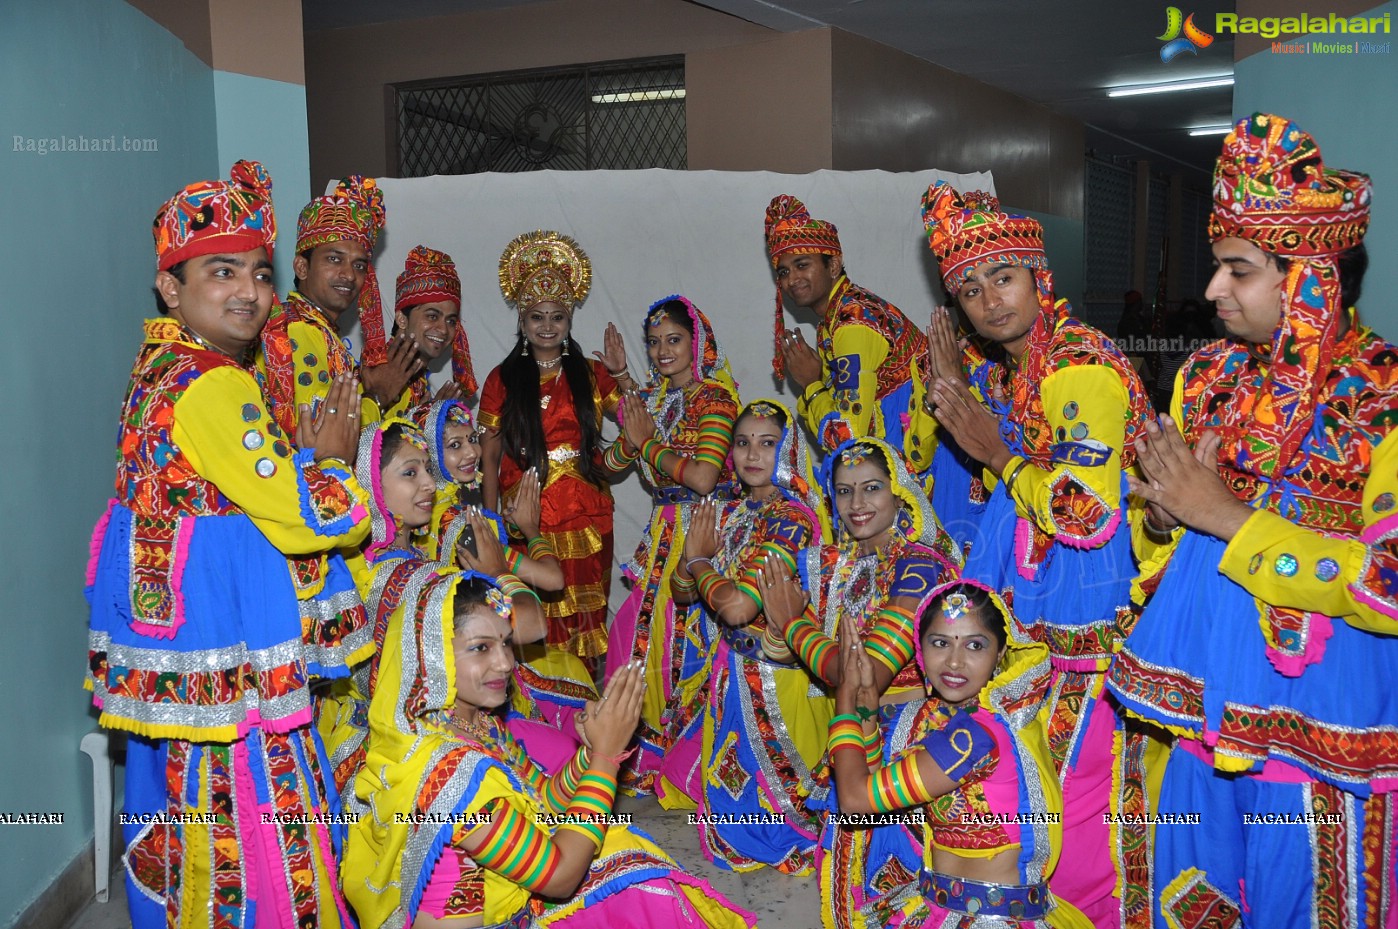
(780,902)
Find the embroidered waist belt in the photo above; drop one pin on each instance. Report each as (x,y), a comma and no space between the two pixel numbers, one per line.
(980,898)
(563,453)
(748,645)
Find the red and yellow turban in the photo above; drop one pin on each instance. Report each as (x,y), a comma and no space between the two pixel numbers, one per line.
(967,230)
(354,212)
(429,276)
(544,267)
(211,217)
(1272,189)
(790,230)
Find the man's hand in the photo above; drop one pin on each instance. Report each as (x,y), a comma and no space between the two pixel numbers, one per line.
(973,427)
(334,429)
(802,363)
(385,383)
(1184,487)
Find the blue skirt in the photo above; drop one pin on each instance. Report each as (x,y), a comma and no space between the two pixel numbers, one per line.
(1073,600)
(1198,655)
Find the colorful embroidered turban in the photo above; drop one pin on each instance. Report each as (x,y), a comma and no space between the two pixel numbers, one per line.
(967,230)
(1272,189)
(368,467)
(354,212)
(429,276)
(544,267)
(790,230)
(708,361)
(211,217)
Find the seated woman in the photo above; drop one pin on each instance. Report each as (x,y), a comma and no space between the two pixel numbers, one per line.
(978,765)
(761,732)
(679,430)
(551,685)
(393,464)
(464,829)
(889,553)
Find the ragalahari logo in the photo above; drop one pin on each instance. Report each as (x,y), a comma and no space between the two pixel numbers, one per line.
(1176,44)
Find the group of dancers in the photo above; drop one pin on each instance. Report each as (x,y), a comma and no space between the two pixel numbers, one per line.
(1000,647)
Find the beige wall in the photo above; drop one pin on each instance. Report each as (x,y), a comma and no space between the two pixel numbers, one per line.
(744,112)
(347,70)
(900,113)
(259,38)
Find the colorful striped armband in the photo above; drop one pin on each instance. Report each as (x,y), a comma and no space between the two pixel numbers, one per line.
(709,583)
(809,643)
(539,549)
(558,790)
(617,458)
(591,805)
(653,451)
(897,786)
(845,732)
(513,560)
(715,437)
(873,748)
(513,847)
(890,638)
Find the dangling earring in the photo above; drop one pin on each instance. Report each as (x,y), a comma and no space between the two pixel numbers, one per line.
(565,346)
(523,344)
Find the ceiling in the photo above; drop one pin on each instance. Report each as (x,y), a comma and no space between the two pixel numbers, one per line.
(1064,54)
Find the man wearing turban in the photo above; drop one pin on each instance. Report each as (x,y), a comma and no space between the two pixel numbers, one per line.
(1269,645)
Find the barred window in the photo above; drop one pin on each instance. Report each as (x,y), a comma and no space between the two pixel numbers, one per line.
(619,115)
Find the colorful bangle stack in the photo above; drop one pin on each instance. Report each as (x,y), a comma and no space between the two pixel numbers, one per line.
(513,560)
(591,805)
(512,587)
(810,644)
(873,748)
(845,732)
(539,549)
(683,585)
(774,647)
(617,458)
(709,585)
(654,452)
(897,786)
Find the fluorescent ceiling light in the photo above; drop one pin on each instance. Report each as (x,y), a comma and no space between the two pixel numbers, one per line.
(1170,87)
(1211,130)
(640,96)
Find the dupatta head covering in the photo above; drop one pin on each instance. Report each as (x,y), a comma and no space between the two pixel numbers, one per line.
(708,362)
(434,422)
(417,764)
(1272,189)
(213,217)
(368,467)
(429,276)
(1021,681)
(544,267)
(916,520)
(793,473)
(790,230)
(352,212)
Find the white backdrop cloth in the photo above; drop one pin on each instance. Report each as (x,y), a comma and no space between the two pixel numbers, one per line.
(654,233)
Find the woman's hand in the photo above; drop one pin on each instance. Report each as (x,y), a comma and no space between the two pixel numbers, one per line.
(334,430)
(857,692)
(613,353)
(637,426)
(523,510)
(490,554)
(611,721)
(701,539)
(783,598)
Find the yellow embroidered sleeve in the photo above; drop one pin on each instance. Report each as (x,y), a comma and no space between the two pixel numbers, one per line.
(312,362)
(1078,499)
(845,404)
(1353,579)
(221,427)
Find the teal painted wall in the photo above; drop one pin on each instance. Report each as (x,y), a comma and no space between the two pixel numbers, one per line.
(77,261)
(1064,247)
(265,120)
(1346,102)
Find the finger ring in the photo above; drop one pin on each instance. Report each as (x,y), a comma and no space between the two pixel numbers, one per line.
(354,416)
(333,411)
